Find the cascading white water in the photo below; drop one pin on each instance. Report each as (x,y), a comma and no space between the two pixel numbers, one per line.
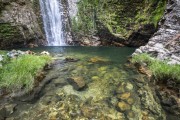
(52,19)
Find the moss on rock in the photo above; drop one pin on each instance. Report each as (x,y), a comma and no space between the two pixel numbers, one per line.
(121,18)
(9,34)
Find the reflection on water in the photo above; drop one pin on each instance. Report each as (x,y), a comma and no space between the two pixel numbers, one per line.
(91,83)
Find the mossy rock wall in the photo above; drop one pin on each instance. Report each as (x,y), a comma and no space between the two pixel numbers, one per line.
(20,23)
(121,18)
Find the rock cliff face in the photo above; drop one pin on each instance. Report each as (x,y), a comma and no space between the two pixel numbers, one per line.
(165,43)
(20,23)
(131,22)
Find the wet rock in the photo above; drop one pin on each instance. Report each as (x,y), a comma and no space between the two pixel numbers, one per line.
(2,113)
(150,102)
(48,67)
(78,83)
(97,60)
(124,96)
(120,89)
(68,59)
(1,58)
(11,118)
(102,69)
(130,101)
(124,87)
(114,101)
(30,52)
(6,110)
(39,77)
(10,108)
(170,102)
(45,53)
(129,86)
(122,106)
(130,114)
(53,116)
(60,82)
(95,78)
(138,79)
(15,53)
(88,112)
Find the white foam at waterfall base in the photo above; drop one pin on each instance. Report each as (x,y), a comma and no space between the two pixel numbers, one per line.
(53,23)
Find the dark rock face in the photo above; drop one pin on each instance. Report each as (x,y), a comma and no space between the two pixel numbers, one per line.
(20,24)
(165,43)
(141,36)
(170,102)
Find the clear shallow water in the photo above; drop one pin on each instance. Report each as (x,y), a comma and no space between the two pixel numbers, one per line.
(115,54)
(110,91)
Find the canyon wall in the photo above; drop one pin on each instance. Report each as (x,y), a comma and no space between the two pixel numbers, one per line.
(20,24)
(165,43)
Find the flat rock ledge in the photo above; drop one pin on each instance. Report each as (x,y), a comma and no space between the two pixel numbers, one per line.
(165,43)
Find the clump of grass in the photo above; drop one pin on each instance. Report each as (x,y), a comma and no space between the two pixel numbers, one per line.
(142,58)
(2,52)
(20,72)
(160,69)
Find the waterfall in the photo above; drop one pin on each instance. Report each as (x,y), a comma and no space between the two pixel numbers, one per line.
(52,13)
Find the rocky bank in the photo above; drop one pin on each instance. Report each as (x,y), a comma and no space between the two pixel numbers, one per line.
(165,43)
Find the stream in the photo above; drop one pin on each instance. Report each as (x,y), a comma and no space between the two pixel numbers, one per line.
(90,83)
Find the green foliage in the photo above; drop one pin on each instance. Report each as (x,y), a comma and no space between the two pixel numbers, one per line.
(160,69)
(142,58)
(20,72)
(2,52)
(163,71)
(119,17)
(158,12)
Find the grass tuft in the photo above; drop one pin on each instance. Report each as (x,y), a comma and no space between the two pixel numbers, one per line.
(19,73)
(160,69)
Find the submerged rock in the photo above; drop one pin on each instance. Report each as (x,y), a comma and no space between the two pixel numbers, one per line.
(122,106)
(15,53)
(69,59)
(97,59)
(124,96)
(130,101)
(6,110)
(78,83)
(88,112)
(53,116)
(2,113)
